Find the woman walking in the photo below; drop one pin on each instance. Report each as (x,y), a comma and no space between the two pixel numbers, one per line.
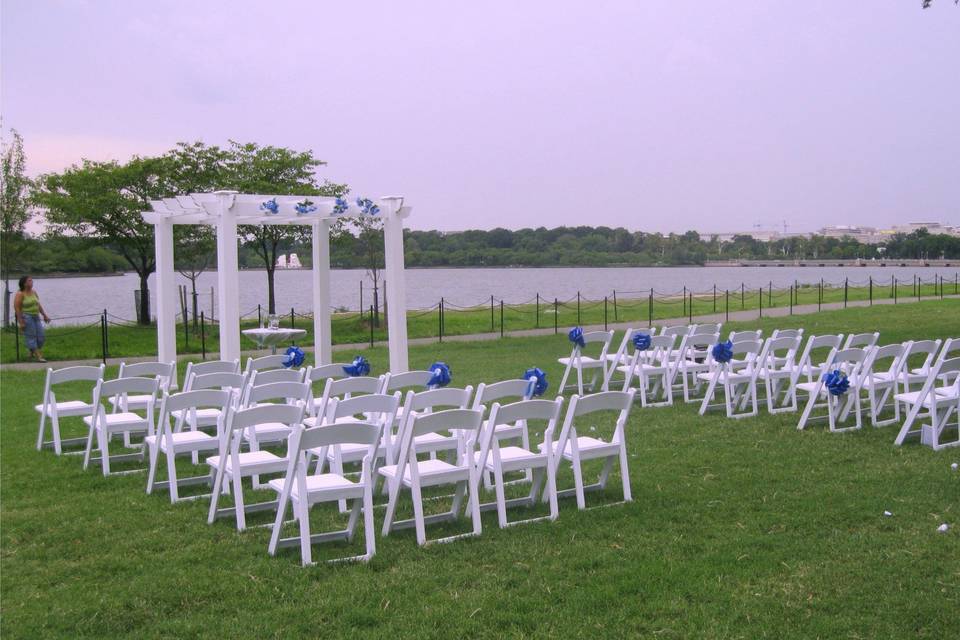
(29,310)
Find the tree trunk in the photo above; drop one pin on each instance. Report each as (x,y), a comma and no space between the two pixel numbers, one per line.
(6,302)
(271,302)
(196,310)
(376,304)
(144,298)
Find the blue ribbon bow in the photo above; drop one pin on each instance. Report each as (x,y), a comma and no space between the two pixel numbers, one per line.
(641,341)
(359,367)
(576,337)
(367,207)
(293,357)
(340,206)
(270,206)
(538,382)
(723,351)
(441,375)
(836,382)
(305,207)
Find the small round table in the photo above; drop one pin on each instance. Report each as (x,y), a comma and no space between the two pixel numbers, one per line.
(265,337)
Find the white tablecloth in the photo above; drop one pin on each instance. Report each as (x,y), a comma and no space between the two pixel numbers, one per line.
(272,337)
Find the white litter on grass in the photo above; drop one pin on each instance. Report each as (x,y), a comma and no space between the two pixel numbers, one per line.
(955,466)
(943,528)
(887,513)
(593,428)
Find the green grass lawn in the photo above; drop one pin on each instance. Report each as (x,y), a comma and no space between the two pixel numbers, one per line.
(125,339)
(738,529)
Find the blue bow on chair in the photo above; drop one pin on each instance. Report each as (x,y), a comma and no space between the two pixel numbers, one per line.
(576,337)
(641,341)
(836,382)
(359,367)
(722,351)
(293,357)
(441,375)
(538,388)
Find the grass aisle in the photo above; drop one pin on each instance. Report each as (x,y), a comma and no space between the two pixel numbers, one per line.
(738,529)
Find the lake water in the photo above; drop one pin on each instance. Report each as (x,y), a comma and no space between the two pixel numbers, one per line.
(90,295)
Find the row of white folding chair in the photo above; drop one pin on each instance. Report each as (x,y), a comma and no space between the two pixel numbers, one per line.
(937,400)
(483,454)
(102,425)
(52,409)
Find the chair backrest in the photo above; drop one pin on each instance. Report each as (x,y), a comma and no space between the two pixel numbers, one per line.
(706,329)
(381,404)
(699,343)
(165,372)
(121,387)
(787,333)
(943,369)
(433,398)
(406,380)
(878,355)
(344,388)
(75,374)
(831,342)
(624,344)
(288,414)
(288,392)
(603,338)
(265,363)
(747,350)
(779,354)
(189,400)
(518,413)
(950,349)
(621,401)
(737,336)
(519,389)
(210,366)
(849,361)
(660,349)
(323,372)
(926,348)
(421,424)
(335,434)
(270,376)
(220,380)
(679,330)
(862,340)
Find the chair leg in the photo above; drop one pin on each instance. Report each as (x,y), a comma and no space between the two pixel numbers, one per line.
(86,452)
(172,475)
(302,507)
(578,483)
(475,501)
(368,525)
(394,489)
(418,513)
(552,491)
(501,497)
(563,380)
(103,441)
(42,429)
(625,474)
(152,472)
(238,502)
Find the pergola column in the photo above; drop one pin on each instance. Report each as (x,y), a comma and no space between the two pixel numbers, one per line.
(228,278)
(166,284)
(397,291)
(320,277)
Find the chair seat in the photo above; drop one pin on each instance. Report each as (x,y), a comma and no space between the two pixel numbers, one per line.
(207,415)
(586,362)
(69,408)
(430,472)
(268,432)
(435,441)
(122,421)
(511,456)
(943,394)
(726,376)
(319,485)
(349,452)
(185,441)
(252,462)
(587,446)
(809,387)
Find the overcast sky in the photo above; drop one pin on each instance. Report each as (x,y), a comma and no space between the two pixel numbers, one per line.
(657,116)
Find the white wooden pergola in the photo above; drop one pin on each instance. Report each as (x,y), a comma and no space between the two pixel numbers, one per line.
(227,209)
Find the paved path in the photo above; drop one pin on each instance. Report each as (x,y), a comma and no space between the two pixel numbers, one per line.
(745,316)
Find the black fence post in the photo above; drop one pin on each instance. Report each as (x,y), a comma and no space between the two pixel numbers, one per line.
(791,299)
(616,316)
(106,335)
(103,337)
(292,321)
(941,287)
(684,300)
(690,309)
(604,313)
(440,319)
(770,295)
(492,327)
(186,333)
(714,298)
(361,300)
(556,316)
(370,318)
(871,291)
(260,317)
(846,291)
(443,315)
(894,289)
(578,309)
(820,298)
(650,309)
(743,298)
(203,336)
(501,318)
(538,310)
(919,284)
(760,298)
(16,336)
(727,299)
(955,282)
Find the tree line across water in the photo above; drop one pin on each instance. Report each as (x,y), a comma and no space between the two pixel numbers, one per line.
(93,225)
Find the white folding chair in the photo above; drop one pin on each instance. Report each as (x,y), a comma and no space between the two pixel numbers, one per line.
(170,443)
(265,363)
(55,409)
(580,362)
(776,368)
(230,466)
(805,365)
(939,400)
(164,372)
(104,425)
(429,401)
(205,417)
(950,349)
(576,449)
(739,336)
(695,360)
(738,379)
(624,353)
(927,349)
(304,490)
(207,367)
(882,382)
(707,329)
(787,333)
(416,474)
(322,373)
(519,389)
(850,363)
(498,460)
(341,388)
(653,366)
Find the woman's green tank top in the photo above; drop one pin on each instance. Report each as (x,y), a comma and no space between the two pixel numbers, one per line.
(30,304)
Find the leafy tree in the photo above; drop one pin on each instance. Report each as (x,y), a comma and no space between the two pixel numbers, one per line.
(365,234)
(14,213)
(195,251)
